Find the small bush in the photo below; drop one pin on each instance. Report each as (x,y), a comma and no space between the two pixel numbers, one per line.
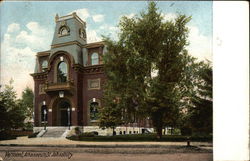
(33,135)
(88,134)
(77,131)
(28,126)
(5,136)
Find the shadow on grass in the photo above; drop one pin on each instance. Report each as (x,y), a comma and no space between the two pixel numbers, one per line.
(141,138)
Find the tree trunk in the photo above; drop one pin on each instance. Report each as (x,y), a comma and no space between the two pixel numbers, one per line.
(159,132)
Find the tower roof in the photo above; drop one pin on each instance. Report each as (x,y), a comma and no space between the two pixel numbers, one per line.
(69,28)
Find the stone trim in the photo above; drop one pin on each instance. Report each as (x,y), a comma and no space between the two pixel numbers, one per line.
(94,88)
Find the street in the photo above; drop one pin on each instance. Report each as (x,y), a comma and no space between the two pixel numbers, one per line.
(15,153)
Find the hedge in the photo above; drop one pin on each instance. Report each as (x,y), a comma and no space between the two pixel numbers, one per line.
(141,137)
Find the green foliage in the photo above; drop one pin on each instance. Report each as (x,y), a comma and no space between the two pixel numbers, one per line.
(33,135)
(12,116)
(141,137)
(201,113)
(26,102)
(149,45)
(87,134)
(13,111)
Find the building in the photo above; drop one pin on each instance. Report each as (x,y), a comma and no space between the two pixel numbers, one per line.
(69,78)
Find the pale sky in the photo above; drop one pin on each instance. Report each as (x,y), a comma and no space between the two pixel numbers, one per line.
(28,27)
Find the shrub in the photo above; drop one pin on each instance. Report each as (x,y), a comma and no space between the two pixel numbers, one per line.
(77,131)
(33,135)
(5,136)
(88,134)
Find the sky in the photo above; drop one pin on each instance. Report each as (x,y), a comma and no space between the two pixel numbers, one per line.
(27,28)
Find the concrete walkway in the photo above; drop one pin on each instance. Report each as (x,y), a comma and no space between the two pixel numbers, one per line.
(63,142)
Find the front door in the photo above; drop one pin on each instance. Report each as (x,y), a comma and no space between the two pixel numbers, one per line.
(64,116)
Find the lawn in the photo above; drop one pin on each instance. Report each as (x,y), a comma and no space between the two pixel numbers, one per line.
(141,138)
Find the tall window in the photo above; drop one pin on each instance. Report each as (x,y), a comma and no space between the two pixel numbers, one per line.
(94,59)
(94,110)
(44,65)
(62,72)
(43,116)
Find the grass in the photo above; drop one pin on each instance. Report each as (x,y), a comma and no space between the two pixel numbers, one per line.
(141,138)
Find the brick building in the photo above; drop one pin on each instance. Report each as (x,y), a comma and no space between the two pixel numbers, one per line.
(69,77)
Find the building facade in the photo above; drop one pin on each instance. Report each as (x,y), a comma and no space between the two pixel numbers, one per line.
(68,78)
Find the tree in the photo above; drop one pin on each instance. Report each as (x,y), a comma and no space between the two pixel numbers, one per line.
(148,45)
(110,114)
(12,116)
(26,102)
(201,111)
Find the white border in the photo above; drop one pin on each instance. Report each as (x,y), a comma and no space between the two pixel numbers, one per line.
(231,80)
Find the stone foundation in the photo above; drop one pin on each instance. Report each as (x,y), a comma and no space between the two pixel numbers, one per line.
(120,130)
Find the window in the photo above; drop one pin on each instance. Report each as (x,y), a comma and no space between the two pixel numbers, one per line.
(44,114)
(63,31)
(94,110)
(44,65)
(82,33)
(94,59)
(62,72)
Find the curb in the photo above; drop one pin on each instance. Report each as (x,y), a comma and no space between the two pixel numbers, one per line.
(100,146)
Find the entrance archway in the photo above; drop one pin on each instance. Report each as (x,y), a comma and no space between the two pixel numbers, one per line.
(61,116)
(64,117)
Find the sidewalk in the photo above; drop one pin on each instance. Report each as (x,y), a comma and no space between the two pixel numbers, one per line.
(63,142)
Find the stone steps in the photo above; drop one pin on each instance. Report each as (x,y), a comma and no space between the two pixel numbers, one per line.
(55,132)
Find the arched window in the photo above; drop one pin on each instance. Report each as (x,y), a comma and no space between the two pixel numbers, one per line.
(62,72)
(94,110)
(94,59)
(64,31)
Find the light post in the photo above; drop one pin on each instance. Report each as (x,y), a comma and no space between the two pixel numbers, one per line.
(68,117)
(44,118)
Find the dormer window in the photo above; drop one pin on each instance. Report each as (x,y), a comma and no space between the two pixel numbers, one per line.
(82,33)
(94,59)
(63,31)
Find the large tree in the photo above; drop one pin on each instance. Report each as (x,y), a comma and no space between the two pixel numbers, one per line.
(200,114)
(26,103)
(147,45)
(12,116)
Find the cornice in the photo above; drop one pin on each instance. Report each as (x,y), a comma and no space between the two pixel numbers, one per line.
(94,69)
(66,44)
(94,44)
(39,76)
(43,53)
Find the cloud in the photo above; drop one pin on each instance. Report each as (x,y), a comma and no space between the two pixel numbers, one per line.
(98,18)
(82,13)
(14,27)
(18,51)
(36,37)
(92,36)
(168,16)
(200,46)
(131,15)
(109,30)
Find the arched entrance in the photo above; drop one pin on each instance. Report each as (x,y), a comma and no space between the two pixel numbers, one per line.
(62,114)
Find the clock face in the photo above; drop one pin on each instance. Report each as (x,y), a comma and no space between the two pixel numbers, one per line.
(82,34)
